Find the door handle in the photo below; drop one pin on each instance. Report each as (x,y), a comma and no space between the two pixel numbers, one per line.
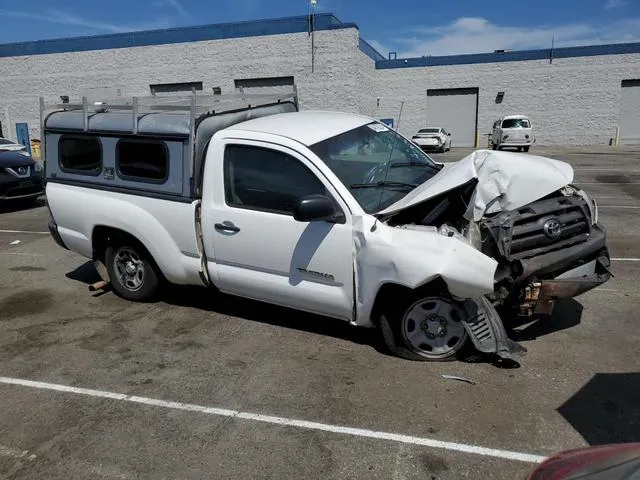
(226,227)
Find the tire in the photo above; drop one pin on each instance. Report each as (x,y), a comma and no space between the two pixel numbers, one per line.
(519,149)
(526,149)
(133,274)
(494,146)
(413,327)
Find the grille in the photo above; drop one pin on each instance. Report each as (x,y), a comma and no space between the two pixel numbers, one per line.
(521,233)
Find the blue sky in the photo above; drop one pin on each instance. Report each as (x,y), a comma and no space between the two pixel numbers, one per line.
(410,27)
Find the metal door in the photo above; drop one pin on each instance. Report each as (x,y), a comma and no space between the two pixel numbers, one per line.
(630,113)
(455,110)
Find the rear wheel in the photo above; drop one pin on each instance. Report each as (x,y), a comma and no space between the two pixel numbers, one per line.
(131,270)
(526,149)
(424,328)
(494,146)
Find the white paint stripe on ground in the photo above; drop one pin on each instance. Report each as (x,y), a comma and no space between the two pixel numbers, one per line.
(289,422)
(617,206)
(608,183)
(24,231)
(617,197)
(627,259)
(20,254)
(604,169)
(14,452)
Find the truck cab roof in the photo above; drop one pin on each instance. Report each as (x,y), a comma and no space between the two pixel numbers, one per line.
(296,125)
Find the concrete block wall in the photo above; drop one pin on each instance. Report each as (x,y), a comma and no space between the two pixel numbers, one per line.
(335,84)
(572,101)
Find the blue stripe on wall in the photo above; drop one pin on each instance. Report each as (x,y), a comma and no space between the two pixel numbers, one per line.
(369,51)
(323,21)
(545,54)
(298,24)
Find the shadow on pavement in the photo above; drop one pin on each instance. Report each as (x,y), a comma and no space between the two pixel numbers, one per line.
(606,409)
(566,314)
(214,301)
(21,205)
(211,300)
(85,273)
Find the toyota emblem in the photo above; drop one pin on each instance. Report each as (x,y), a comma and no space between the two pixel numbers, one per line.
(552,228)
(22,170)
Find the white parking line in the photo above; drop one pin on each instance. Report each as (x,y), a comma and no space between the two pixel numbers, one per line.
(617,206)
(607,183)
(627,259)
(14,452)
(598,169)
(24,231)
(20,254)
(289,422)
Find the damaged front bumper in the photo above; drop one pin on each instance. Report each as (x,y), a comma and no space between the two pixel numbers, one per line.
(566,273)
(540,297)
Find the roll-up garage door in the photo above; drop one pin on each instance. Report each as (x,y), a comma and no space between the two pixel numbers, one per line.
(630,113)
(266,85)
(455,110)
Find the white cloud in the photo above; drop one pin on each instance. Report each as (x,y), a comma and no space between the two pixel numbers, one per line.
(610,4)
(62,17)
(175,5)
(479,35)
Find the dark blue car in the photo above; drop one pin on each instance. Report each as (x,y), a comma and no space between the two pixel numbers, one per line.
(20,177)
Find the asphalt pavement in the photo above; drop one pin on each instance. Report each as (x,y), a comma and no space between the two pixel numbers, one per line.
(202,385)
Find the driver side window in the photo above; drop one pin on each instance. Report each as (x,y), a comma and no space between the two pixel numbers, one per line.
(258,178)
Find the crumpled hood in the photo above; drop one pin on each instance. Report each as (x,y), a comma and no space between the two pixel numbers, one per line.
(516,179)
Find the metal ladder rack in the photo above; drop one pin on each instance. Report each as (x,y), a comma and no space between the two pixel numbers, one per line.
(195,105)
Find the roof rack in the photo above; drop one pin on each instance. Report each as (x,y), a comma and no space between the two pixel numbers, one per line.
(194,105)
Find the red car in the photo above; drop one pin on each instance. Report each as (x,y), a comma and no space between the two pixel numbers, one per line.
(604,462)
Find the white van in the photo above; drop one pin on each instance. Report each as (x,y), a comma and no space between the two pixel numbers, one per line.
(512,131)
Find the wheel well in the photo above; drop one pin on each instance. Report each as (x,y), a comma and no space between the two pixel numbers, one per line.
(104,236)
(396,292)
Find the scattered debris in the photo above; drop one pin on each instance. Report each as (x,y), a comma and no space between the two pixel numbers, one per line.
(460,379)
(15,242)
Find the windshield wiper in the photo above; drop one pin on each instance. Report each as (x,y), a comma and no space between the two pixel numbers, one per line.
(413,165)
(383,185)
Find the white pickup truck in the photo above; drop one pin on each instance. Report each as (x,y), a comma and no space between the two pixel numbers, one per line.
(331,213)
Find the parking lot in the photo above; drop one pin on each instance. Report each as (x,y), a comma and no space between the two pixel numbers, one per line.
(202,385)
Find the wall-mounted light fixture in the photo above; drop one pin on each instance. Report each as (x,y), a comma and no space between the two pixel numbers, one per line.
(499,97)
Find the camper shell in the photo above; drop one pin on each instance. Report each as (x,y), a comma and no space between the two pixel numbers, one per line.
(179,127)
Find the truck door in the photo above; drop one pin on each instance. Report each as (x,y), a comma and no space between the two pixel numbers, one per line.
(254,246)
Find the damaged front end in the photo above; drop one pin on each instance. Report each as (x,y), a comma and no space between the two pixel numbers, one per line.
(548,245)
(547,250)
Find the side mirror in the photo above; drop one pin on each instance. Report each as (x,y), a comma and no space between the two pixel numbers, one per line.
(316,208)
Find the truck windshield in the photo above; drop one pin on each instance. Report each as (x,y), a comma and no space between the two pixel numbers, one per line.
(516,123)
(377,164)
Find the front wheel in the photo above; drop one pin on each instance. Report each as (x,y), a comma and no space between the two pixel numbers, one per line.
(131,271)
(494,146)
(425,329)
(526,149)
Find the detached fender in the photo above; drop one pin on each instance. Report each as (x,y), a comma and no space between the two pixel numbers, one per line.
(412,258)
